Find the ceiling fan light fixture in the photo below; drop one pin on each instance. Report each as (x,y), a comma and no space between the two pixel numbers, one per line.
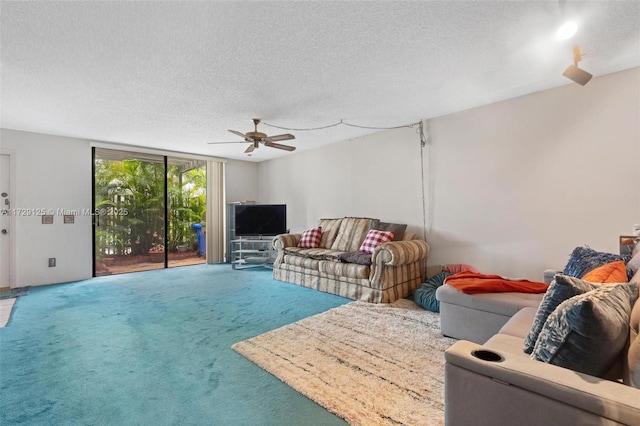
(567,30)
(255,135)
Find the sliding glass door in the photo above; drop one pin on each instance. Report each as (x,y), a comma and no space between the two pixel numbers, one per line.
(129,211)
(186,213)
(149,211)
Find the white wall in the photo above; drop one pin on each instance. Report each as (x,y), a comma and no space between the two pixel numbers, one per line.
(378,176)
(50,173)
(54,172)
(510,188)
(241,179)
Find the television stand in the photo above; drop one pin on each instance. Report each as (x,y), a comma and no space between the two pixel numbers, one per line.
(252,252)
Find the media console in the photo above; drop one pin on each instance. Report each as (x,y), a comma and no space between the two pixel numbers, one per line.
(252,253)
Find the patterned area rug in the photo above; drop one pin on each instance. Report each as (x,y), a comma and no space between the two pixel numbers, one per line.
(371,364)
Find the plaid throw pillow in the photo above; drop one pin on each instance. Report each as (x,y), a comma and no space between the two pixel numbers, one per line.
(374,238)
(311,238)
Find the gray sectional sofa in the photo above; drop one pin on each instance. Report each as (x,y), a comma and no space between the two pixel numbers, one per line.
(395,268)
(494,382)
(477,317)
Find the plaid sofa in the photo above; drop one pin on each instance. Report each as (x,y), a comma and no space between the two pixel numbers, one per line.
(396,267)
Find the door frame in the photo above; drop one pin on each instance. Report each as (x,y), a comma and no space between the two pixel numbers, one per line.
(13,277)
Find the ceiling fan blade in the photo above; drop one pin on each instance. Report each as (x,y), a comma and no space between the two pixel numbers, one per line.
(279,146)
(250,149)
(242,135)
(285,137)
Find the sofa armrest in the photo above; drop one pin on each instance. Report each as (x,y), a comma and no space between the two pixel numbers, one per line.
(400,252)
(282,241)
(603,398)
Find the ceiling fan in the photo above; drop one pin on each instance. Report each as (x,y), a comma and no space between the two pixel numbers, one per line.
(256,138)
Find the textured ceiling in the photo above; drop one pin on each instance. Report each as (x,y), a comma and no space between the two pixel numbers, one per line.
(176,75)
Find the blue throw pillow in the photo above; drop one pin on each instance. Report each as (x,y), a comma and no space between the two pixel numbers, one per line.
(425,295)
(587,332)
(561,288)
(584,259)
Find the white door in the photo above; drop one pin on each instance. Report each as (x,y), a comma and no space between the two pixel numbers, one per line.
(4,221)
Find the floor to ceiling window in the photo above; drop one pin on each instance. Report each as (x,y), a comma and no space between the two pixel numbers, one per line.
(149,211)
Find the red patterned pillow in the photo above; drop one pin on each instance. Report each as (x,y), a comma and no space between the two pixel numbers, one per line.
(374,238)
(311,238)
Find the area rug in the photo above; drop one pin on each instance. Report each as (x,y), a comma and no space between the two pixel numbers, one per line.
(371,364)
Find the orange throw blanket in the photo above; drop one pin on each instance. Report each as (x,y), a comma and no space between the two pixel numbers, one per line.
(472,283)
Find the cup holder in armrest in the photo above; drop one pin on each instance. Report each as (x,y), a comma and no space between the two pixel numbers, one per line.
(486,355)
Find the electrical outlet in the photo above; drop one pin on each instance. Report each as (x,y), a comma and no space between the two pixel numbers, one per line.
(52,262)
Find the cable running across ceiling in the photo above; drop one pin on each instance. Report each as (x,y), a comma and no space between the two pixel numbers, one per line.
(341,122)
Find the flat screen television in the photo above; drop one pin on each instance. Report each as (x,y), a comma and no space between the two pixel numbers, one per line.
(252,220)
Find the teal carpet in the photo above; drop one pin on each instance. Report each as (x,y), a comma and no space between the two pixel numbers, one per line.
(153,348)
